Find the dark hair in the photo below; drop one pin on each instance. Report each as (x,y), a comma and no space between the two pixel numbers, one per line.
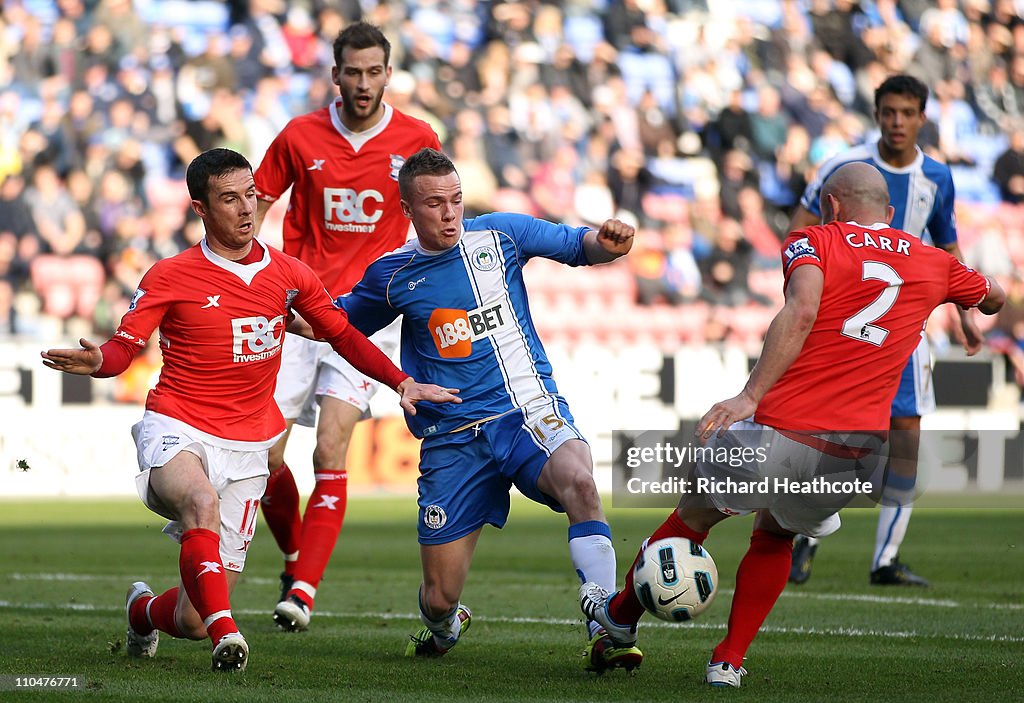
(211,164)
(902,85)
(361,35)
(425,162)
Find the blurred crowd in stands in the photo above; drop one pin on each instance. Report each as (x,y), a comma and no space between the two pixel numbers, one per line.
(700,122)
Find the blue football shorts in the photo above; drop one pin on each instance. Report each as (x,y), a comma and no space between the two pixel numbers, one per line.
(916,394)
(465,477)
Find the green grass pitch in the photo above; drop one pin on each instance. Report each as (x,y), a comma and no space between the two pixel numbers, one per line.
(67,565)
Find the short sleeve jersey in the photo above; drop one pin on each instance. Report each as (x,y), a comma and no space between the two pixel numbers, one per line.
(921,194)
(467,321)
(221,327)
(344,207)
(880,286)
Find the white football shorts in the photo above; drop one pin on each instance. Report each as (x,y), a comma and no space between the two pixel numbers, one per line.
(311,370)
(784,467)
(238,476)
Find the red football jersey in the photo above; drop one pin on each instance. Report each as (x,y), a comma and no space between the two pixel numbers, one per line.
(880,286)
(344,209)
(221,327)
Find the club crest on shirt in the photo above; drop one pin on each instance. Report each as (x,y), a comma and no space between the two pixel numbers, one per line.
(484,259)
(397,161)
(434,517)
(291,294)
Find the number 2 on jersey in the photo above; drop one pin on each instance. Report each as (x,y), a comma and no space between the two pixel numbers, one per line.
(859,326)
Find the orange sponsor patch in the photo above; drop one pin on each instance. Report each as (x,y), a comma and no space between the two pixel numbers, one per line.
(451,333)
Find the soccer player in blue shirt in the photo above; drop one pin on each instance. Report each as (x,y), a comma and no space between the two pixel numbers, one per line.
(466,324)
(921,191)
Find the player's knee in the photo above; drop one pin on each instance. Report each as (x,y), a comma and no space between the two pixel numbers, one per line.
(275,457)
(330,452)
(580,487)
(202,510)
(190,624)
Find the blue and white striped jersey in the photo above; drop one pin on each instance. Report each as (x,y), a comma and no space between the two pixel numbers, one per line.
(922,193)
(466,319)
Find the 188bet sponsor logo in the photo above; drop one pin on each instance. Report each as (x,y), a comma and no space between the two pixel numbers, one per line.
(454,331)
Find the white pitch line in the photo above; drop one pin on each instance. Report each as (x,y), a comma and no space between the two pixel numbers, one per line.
(841,597)
(116,578)
(828,631)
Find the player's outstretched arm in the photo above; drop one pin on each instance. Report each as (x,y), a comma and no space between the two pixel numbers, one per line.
(969,334)
(612,240)
(802,217)
(413,392)
(298,326)
(782,344)
(995,299)
(82,362)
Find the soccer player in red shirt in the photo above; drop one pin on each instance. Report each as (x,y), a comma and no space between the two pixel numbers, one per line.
(857,298)
(221,308)
(342,163)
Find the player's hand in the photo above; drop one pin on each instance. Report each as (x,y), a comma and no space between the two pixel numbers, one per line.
(413,392)
(82,361)
(973,339)
(721,416)
(298,326)
(615,237)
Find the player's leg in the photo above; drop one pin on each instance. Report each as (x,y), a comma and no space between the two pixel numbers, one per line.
(804,549)
(460,491)
(325,511)
(445,619)
(915,397)
(344,397)
(280,505)
(692,519)
(897,505)
(239,500)
(294,395)
(760,580)
(183,486)
(695,514)
(549,462)
(568,477)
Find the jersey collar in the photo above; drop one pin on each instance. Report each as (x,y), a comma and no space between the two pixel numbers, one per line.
(876,226)
(881,163)
(425,252)
(246,272)
(358,139)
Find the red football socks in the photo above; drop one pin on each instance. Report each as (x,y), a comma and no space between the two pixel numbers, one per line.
(321,524)
(760,579)
(156,613)
(625,607)
(281,511)
(205,582)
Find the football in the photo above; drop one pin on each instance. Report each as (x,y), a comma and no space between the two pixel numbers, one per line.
(675,579)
